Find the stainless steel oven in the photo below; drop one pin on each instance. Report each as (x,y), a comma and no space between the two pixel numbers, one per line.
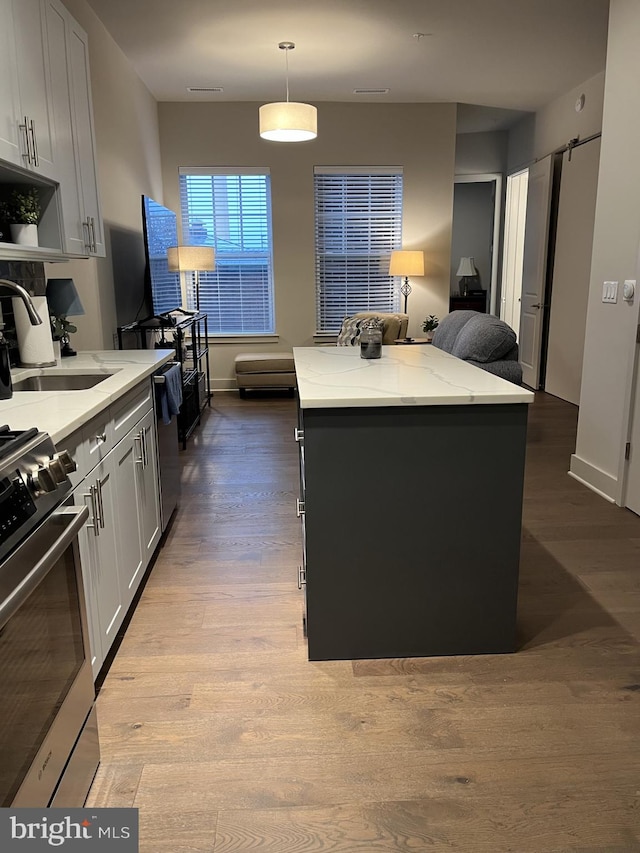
(48,735)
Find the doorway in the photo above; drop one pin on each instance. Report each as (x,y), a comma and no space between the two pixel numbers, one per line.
(477,211)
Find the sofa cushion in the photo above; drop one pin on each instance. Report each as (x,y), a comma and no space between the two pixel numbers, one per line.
(445,335)
(484,338)
(264,362)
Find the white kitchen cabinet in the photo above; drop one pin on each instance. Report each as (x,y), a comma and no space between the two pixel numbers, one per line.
(128,455)
(117,479)
(98,554)
(138,508)
(26,124)
(149,497)
(68,60)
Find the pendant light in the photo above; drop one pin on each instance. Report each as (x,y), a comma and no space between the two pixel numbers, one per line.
(288,121)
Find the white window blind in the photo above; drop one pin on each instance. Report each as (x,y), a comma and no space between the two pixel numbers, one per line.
(230,209)
(358,225)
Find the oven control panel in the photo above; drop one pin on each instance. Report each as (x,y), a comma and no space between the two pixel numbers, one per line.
(16,505)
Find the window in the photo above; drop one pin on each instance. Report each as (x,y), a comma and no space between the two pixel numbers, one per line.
(230,209)
(358,225)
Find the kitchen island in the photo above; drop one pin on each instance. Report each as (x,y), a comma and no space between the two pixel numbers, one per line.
(412,473)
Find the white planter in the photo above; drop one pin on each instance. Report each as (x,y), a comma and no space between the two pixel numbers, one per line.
(24,235)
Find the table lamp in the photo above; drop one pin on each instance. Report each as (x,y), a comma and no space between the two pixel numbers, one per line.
(406,263)
(195,259)
(466,272)
(63,302)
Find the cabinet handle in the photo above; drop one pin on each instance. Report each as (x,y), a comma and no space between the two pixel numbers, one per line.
(92,234)
(87,227)
(27,147)
(100,503)
(302,577)
(101,437)
(94,511)
(138,438)
(146,449)
(299,507)
(34,142)
(298,434)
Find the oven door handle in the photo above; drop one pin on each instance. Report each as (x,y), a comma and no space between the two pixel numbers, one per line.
(44,565)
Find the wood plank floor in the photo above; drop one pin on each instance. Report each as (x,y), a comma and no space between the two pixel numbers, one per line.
(215,725)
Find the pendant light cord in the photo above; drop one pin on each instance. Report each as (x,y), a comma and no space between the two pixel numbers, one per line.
(286,57)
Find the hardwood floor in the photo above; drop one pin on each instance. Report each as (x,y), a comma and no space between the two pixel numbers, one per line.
(217,727)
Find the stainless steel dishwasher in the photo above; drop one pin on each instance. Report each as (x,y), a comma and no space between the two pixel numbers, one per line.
(169,466)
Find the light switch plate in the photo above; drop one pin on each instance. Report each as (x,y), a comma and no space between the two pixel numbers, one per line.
(610,291)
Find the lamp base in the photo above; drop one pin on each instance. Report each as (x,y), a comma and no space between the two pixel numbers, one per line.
(66,350)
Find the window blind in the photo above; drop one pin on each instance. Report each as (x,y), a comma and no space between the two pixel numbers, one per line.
(231,211)
(358,223)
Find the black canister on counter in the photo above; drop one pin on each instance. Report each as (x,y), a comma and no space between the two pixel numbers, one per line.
(370,339)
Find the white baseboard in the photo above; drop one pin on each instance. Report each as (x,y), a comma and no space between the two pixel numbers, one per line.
(594,478)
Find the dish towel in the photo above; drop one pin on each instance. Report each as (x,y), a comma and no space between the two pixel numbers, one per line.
(171,397)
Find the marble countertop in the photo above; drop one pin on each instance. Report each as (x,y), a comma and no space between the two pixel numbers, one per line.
(338,377)
(61,412)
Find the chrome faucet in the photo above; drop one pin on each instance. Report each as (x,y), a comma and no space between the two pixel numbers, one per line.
(18,290)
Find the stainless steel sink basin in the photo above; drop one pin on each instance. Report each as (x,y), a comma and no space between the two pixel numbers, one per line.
(60,382)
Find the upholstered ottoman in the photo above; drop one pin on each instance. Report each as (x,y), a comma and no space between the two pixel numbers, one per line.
(256,370)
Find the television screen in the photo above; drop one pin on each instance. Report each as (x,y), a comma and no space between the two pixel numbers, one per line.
(160,227)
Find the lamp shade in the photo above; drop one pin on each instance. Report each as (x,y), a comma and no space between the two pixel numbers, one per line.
(406,263)
(288,121)
(191,258)
(467,267)
(63,299)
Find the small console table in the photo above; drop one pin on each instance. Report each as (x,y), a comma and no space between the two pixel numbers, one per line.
(188,335)
(468,303)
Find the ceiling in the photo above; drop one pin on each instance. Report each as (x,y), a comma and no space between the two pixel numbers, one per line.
(508,55)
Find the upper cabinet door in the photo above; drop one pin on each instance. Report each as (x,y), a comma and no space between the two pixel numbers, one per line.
(34,119)
(75,235)
(11,145)
(68,63)
(84,137)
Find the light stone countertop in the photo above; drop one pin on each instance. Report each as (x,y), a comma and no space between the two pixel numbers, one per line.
(61,412)
(337,377)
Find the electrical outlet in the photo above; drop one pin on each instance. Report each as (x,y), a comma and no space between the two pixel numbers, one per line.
(610,291)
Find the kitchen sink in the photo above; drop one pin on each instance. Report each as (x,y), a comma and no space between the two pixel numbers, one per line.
(60,382)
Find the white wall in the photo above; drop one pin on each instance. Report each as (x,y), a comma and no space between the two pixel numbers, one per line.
(481,153)
(419,137)
(554,125)
(610,333)
(128,155)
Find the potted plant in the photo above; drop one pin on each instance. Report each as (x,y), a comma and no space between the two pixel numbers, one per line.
(430,325)
(21,210)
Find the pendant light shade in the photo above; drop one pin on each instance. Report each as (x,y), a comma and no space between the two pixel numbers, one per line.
(288,121)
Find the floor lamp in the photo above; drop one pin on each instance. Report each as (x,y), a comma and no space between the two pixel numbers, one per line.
(195,259)
(406,263)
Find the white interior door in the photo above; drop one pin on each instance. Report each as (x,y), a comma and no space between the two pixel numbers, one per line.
(571,271)
(534,265)
(514,225)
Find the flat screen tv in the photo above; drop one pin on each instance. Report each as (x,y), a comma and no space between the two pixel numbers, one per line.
(160,226)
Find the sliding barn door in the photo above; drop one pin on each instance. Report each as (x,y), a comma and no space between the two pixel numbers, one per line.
(572,271)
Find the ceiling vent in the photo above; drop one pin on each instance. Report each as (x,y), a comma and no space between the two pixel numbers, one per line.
(371,91)
(205,89)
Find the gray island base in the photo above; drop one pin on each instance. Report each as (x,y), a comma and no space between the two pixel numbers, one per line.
(412,517)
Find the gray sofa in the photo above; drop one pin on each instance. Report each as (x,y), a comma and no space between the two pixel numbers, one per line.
(482,340)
